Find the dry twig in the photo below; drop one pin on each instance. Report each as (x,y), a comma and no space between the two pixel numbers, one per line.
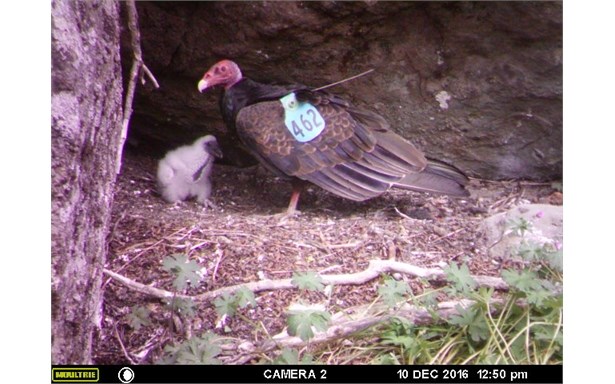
(119,339)
(137,66)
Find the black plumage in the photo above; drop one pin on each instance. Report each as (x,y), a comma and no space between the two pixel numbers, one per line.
(356,156)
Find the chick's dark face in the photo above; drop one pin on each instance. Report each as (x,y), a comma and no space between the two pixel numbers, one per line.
(213,148)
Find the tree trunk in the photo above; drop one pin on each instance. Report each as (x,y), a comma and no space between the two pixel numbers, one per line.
(86,116)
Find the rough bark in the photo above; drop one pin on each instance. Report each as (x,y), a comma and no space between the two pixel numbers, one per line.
(86,123)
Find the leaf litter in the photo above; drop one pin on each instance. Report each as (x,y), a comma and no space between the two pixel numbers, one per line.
(244,239)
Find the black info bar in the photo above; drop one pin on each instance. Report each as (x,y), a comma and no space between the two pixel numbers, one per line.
(308,374)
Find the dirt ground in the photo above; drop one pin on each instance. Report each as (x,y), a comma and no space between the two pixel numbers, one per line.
(242,239)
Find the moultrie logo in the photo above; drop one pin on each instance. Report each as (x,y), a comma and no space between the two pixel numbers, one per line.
(75,375)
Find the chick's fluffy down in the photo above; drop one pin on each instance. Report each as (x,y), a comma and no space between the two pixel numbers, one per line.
(184,172)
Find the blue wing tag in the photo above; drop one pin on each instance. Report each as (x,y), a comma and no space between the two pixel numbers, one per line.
(302,120)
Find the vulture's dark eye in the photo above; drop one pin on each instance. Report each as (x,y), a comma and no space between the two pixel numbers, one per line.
(223,69)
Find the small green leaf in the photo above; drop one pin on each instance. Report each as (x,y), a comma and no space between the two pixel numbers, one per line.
(558,186)
(245,297)
(183,269)
(287,357)
(531,251)
(170,355)
(301,321)
(520,227)
(185,307)
(461,278)
(393,291)
(428,299)
(196,350)
(310,281)
(389,359)
(226,304)
(199,350)
(547,333)
(538,297)
(474,320)
(463,318)
(555,259)
(138,317)
(524,281)
(290,356)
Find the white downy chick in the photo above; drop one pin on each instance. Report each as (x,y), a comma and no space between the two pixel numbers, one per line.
(184,172)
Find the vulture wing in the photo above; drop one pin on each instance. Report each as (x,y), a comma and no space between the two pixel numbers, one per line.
(355,156)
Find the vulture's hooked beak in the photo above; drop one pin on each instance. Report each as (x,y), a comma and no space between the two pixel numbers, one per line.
(203,84)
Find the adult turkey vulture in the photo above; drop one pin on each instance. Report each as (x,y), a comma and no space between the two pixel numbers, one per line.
(304,134)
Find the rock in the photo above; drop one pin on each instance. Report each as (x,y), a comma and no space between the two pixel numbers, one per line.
(505,236)
(419,213)
(555,198)
(477,84)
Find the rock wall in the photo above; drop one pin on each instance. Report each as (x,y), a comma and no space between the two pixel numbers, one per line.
(475,84)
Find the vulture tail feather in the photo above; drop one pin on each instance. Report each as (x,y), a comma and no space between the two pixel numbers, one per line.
(341,185)
(437,177)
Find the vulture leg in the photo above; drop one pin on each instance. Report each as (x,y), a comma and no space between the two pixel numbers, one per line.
(294,197)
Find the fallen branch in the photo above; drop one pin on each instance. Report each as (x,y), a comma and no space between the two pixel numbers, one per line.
(344,325)
(374,269)
(137,66)
(142,288)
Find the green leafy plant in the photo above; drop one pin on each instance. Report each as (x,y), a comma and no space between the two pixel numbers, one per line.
(460,278)
(524,281)
(182,306)
(301,319)
(428,299)
(245,297)
(548,254)
(139,317)
(473,320)
(558,186)
(393,291)
(400,332)
(185,270)
(407,343)
(310,281)
(523,325)
(555,259)
(227,304)
(196,350)
(521,226)
(290,356)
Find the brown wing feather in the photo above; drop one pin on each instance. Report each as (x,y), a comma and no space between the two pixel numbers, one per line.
(356,156)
